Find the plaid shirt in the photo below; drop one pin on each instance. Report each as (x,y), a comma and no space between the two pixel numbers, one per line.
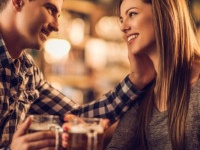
(24,90)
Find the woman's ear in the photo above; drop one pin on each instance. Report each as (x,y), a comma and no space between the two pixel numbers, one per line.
(17,4)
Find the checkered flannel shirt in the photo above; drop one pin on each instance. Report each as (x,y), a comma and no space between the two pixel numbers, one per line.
(25,90)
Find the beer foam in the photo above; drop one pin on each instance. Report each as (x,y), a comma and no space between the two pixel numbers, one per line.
(45,126)
(41,126)
(78,129)
(97,128)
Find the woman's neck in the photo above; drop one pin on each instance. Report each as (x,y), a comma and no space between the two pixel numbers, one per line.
(195,72)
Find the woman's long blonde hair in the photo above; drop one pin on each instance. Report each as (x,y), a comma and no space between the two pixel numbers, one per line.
(178,48)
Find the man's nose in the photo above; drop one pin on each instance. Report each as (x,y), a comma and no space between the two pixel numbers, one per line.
(54,25)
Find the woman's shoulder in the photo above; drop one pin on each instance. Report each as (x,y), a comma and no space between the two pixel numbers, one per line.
(195,95)
(195,73)
(195,89)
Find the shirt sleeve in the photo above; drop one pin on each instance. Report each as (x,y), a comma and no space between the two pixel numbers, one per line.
(113,104)
(50,100)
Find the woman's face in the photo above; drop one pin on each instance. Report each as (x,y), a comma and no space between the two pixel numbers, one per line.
(137,26)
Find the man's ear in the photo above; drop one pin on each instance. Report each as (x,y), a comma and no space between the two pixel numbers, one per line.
(17,4)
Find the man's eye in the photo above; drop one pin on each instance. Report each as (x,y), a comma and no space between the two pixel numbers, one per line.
(52,11)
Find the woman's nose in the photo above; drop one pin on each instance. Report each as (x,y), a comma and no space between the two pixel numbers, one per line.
(125,27)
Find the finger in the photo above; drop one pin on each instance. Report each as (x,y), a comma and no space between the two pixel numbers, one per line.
(65,138)
(66,127)
(23,128)
(40,136)
(40,140)
(68,117)
(105,123)
(65,144)
(42,144)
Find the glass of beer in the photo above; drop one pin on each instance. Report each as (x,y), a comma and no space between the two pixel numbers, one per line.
(85,134)
(46,123)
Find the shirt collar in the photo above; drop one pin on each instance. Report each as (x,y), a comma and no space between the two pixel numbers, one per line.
(6,59)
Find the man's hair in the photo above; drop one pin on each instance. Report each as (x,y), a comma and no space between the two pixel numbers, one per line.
(3,3)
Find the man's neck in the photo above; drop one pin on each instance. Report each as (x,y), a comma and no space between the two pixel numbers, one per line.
(8,32)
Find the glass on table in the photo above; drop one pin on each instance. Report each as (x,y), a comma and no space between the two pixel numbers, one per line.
(46,122)
(85,134)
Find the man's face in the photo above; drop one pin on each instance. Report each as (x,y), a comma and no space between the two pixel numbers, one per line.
(37,19)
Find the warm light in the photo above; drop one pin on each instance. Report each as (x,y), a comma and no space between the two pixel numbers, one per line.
(196,10)
(108,28)
(96,53)
(56,49)
(77,31)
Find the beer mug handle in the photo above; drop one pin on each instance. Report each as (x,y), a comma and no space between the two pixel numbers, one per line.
(92,140)
(56,129)
(57,139)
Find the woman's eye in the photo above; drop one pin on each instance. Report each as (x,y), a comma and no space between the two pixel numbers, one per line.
(131,14)
(120,20)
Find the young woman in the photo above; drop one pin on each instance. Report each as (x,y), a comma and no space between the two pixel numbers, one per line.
(168,115)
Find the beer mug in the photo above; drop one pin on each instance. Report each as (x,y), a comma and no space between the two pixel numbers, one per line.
(45,123)
(85,134)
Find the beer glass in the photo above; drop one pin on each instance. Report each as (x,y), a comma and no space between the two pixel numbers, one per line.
(46,123)
(85,134)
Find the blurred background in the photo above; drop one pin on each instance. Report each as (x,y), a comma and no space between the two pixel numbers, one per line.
(88,57)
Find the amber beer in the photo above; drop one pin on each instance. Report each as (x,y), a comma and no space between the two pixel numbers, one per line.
(85,137)
(46,123)
(77,141)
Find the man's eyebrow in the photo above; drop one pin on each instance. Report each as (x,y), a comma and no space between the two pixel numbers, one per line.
(52,6)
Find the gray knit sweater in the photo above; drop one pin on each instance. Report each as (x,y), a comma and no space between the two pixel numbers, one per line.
(158,136)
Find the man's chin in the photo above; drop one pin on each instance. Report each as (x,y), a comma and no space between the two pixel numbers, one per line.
(40,43)
(38,46)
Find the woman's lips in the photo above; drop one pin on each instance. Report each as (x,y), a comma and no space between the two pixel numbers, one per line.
(131,37)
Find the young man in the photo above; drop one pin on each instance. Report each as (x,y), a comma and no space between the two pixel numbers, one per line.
(27,24)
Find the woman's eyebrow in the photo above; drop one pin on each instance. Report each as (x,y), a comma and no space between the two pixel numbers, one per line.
(126,12)
(130,9)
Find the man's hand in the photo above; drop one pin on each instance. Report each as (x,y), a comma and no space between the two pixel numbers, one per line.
(33,141)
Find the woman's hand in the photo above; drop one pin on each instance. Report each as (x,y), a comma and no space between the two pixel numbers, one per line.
(67,125)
